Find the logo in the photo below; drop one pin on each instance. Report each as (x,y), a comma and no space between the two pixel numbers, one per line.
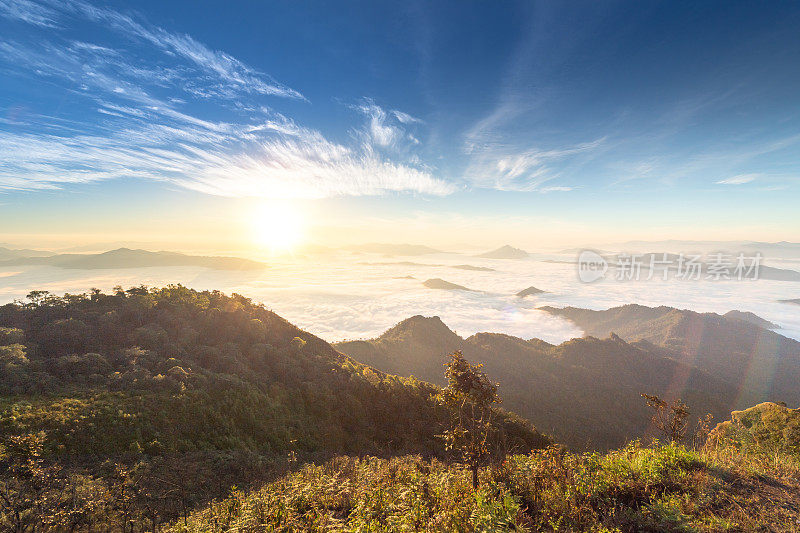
(591,266)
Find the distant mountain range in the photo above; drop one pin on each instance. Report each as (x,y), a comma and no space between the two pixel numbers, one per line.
(472,267)
(412,263)
(586,391)
(781,249)
(762,364)
(127,258)
(505,252)
(645,260)
(7,254)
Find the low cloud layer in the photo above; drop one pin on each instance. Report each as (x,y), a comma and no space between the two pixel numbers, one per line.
(349,299)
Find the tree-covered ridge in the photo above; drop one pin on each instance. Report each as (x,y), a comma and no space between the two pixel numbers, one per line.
(177,369)
(725,346)
(177,386)
(585,392)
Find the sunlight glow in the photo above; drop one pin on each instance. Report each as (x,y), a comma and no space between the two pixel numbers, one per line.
(278,227)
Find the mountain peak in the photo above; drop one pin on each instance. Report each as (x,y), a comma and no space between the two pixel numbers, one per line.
(752,318)
(506,252)
(419,327)
(438,283)
(530,291)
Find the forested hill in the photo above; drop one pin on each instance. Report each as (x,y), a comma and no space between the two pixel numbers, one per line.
(178,369)
(145,375)
(735,347)
(585,392)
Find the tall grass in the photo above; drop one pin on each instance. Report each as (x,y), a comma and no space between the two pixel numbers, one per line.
(636,488)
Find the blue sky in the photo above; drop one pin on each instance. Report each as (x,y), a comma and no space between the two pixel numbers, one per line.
(571,121)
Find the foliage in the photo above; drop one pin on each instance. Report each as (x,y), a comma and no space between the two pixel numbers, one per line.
(469,397)
(766,428)
(35,495)
(670,419)
(150,393)
(634,489)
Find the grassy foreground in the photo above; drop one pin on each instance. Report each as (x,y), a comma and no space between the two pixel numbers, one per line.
(637,488)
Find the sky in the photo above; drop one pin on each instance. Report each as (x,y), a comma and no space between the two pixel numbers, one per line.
(542,124)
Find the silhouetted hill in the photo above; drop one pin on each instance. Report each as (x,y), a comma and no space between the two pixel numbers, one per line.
(530,291)
(762,363)
(475,268)
(412,263)
(437,283)
(505,252)
(585,391)
(794,301)
(778,274)
(127,258)
(7,254)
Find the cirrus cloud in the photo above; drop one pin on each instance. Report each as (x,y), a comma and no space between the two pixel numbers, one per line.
(145,115)
(740,179)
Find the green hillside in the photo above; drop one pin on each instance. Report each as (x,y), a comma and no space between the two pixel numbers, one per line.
(765,427)
(585,392)
(176,383)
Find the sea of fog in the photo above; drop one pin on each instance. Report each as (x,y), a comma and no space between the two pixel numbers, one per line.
(352,296)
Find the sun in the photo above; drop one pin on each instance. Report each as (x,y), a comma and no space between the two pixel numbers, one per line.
(279,227)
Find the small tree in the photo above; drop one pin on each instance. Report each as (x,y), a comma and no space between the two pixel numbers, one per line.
(469,396)
(670,419)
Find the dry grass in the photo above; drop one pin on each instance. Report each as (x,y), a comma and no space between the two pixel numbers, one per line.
(634,489)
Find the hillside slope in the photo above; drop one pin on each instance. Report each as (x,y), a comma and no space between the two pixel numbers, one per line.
(633,490)
(767,427)
(763,364)
(172,382)
(585,392)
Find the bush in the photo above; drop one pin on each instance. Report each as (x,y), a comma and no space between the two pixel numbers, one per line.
(11,336)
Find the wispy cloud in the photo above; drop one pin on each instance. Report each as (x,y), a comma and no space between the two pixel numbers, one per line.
(740,179)
(506,168)
(274,160)
(138,123)
(232,73)
(386,129)
(557,188)
(405,118)
(379,130)
(30,12)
